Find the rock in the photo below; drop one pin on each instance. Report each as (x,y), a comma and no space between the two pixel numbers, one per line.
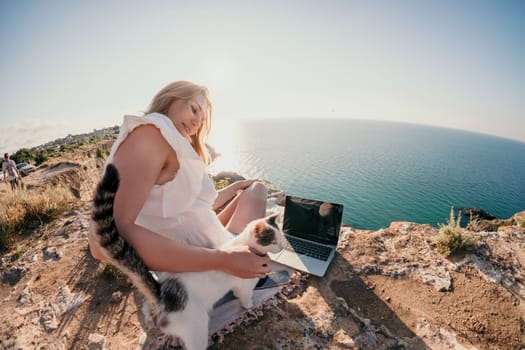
(48,317)
(367,340)
(478,220)
(479,225)
(52,253)
(344,340)
(13,275)
(486,269)
(436,276)
(84,225)
(482,226)
(229,176)
(402,227)
(68,301)
(519,218)
(437,337)
(116,297)
(476,213)
(25,296)
(96,341)
(468,216)
(511,230)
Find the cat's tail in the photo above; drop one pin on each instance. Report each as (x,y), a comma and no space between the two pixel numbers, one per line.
(119,252)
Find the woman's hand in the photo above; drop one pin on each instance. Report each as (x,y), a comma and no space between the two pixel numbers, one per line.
(242,262)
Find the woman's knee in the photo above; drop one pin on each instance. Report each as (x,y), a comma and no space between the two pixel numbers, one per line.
(257,190)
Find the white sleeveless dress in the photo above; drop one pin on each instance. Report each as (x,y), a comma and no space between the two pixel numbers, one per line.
(180,209)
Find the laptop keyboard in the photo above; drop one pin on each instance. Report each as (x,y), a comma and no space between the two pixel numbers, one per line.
(307,248)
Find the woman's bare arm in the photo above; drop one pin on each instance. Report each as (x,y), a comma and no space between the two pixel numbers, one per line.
(144,159)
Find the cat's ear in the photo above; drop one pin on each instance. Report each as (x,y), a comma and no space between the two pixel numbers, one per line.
(259,228)
(264,234)
(272,220)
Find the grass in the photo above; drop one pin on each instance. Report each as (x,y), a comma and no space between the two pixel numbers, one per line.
(219,185)
(453,238)
(101,153)
(25,210)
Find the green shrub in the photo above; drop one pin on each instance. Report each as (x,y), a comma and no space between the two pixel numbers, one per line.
(453,238)
(41,156)
(23,155)
(221,184)
(94,139)
(101,153)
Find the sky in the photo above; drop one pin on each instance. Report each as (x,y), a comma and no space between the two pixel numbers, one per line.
(72,66)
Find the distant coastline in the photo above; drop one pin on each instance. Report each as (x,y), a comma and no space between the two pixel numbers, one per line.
(75,138)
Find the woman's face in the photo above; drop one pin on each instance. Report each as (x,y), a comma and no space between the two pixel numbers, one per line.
(188,115)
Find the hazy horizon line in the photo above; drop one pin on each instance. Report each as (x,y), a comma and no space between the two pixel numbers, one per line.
(23,134)
(303,118)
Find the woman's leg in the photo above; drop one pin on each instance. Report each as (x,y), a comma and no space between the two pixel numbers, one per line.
(247,206)
(227,211)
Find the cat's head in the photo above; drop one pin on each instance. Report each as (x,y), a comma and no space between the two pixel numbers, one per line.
(265,235)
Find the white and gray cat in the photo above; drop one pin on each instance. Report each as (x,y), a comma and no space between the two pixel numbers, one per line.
(180,301)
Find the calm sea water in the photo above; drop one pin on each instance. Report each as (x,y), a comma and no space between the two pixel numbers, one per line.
(380,171)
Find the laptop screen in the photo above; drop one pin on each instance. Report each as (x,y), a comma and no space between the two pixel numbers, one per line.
(312,220)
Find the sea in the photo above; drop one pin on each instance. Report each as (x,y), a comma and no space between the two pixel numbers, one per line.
(380,171)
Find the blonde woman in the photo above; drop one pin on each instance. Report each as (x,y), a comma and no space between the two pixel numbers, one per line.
(165,203)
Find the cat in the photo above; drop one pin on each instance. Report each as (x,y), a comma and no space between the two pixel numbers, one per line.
(180,302)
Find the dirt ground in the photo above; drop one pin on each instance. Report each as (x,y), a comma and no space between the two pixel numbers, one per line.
(336,312)
(54,295)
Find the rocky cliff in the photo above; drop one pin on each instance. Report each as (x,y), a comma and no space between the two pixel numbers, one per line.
(386,289)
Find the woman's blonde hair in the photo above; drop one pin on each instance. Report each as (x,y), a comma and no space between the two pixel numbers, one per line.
(184,90)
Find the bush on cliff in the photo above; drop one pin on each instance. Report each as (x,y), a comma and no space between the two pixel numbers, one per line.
(453,238)
(25,210)
(100,153)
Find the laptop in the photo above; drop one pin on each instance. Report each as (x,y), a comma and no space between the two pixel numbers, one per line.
(311,232)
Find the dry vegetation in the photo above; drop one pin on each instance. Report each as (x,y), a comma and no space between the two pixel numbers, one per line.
(24,210)
(453,238)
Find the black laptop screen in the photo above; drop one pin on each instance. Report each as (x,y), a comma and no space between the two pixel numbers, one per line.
(313,220)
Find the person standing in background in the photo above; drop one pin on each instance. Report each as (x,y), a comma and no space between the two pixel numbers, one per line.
(10,171)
